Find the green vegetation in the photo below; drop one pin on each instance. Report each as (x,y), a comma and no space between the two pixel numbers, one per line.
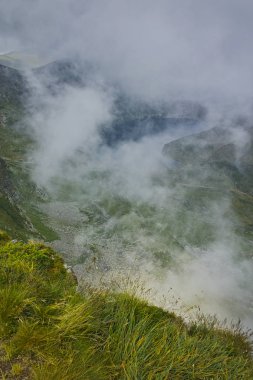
(19,197)
(50,331)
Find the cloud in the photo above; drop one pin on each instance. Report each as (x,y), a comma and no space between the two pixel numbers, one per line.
(152,49)
(67,122)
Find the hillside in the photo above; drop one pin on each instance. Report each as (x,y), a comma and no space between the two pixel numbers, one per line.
(49,331)
(22,60)
(18,195)
(218,161)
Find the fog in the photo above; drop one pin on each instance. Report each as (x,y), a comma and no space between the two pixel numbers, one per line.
(201,48)
(117,207)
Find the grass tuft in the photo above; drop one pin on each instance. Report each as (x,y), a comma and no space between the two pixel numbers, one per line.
(49,331)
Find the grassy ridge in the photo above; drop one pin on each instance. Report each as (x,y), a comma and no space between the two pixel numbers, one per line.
(50,331)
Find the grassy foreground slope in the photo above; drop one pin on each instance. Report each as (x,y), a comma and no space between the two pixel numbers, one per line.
(50,331)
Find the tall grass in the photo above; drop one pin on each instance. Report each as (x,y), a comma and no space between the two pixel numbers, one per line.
(48,331)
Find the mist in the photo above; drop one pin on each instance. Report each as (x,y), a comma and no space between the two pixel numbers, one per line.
(115,202)
(202,49)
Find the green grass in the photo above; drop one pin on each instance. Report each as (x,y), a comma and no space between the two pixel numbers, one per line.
(11,218)
(50,331)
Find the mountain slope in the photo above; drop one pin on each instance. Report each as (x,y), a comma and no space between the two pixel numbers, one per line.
(219,161)
(18,195)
